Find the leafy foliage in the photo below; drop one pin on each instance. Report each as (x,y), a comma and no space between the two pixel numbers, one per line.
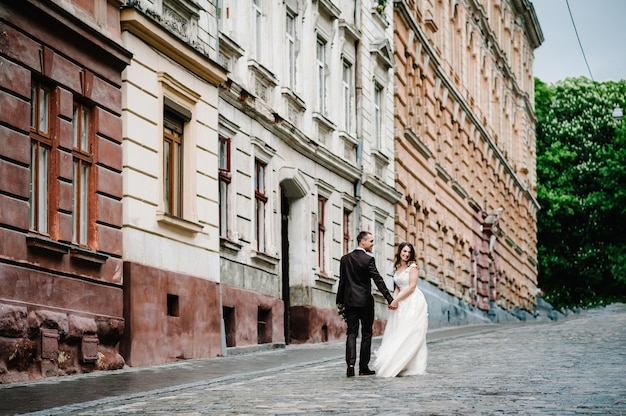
(581,175)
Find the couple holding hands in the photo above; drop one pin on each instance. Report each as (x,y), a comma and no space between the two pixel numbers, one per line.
(403,350)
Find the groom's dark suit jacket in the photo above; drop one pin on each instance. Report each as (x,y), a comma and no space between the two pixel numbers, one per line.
(357,270)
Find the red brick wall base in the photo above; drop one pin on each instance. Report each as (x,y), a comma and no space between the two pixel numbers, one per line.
(309,324)
(170,316)
(252,317)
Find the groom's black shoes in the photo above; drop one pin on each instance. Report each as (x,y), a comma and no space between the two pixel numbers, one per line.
(367,372)
(350,371)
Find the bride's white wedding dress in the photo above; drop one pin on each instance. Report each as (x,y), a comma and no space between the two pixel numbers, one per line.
(403,350)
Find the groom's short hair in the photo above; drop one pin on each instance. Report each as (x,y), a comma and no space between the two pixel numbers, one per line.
(361,236)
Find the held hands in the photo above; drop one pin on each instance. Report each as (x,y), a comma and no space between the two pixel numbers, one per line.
(393,305)
(341,311)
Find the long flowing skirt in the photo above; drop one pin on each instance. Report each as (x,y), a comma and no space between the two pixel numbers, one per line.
(403,350)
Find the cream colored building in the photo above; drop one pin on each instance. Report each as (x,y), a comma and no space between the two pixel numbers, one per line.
(307,160)
(170,156)
(465,151)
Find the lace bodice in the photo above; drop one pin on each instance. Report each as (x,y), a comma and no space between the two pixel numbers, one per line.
(402,279)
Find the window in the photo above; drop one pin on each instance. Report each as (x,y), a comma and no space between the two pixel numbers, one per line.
(379,245)
(41,143)
(257,28)
(321,232)
(347,96)
(261,201)
(378,114)
(320,68)
(346,231)
(82,161)
(291,50)
(172,163)
(224,179)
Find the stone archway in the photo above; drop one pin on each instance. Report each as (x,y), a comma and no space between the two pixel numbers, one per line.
(293,182)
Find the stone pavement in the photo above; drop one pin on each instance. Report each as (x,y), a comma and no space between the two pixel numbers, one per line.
(574,366)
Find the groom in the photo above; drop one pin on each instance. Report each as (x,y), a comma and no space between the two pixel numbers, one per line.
(354,299)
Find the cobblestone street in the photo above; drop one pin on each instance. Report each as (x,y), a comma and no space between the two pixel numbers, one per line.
(573,366)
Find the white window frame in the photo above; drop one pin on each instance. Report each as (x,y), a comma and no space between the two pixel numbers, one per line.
(320,76)
(347,80)
(290,40)
(257,29)
(378,103)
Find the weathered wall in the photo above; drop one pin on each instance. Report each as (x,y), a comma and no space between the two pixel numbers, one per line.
(60,300)
(169,316)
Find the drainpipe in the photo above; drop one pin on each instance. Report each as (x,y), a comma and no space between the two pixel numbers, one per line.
(217,31)
(217,59)
(359,125)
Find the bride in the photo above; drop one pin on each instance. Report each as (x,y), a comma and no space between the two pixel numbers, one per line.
(403,350)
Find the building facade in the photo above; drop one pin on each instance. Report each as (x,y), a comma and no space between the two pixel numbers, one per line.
(170,208)
(180,177)
(306,160)
(465,150)
(61,302)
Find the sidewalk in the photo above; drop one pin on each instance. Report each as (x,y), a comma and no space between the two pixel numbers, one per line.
(137,381)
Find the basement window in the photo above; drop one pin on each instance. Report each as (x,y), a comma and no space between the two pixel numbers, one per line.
(172,305)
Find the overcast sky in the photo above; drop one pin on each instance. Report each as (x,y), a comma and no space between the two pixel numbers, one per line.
(601,26)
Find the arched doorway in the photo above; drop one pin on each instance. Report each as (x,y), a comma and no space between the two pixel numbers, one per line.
(293,187)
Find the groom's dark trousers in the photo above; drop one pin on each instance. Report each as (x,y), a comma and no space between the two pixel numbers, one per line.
(357,270)
(364,315)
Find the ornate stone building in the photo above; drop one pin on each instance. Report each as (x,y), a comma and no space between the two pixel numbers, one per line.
(180,177)
(61,303)
(306,160)
(170,208)
(465,151)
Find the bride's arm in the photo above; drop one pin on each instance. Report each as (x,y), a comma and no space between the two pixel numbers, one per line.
(413,276)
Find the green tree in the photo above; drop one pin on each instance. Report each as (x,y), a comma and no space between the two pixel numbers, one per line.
(581,175)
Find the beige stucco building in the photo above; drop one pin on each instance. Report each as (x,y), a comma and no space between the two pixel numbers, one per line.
(465,149)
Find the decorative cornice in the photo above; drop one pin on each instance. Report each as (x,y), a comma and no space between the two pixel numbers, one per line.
(417,143)
(533,30)
(442,173)
(351,31)
(380,188)
(140,25)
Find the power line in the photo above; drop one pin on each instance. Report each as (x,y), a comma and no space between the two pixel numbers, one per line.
(578,37)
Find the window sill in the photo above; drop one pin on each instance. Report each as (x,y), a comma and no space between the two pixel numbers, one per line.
(49,246)
(88,256)
(325,280)
(230,245)
(265,258)
(180,223)
(324,121)
(381,157)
